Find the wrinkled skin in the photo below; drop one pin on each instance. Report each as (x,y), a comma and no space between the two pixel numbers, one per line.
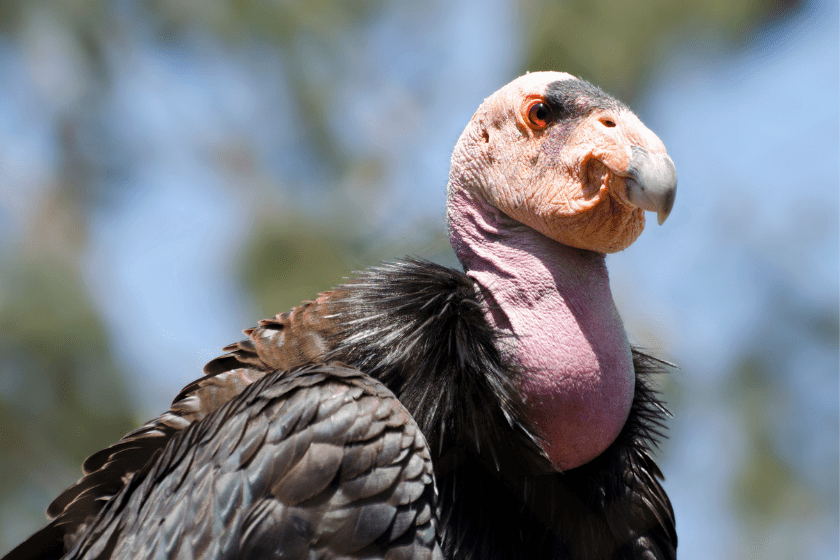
(536,198)
(565,181)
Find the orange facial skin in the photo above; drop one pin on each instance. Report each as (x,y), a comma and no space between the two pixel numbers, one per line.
(564,178)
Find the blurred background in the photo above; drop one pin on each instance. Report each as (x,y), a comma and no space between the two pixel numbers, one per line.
(171,171)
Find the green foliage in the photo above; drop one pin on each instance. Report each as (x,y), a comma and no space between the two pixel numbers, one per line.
(62,396)
(617,44)
(280,22)
(763,468)
(291,260)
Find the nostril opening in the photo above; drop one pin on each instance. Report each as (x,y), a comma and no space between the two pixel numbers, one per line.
(608,123)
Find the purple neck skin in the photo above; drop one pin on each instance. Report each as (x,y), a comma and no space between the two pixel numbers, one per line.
(578,378)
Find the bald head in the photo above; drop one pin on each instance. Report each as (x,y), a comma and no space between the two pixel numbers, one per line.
(562,157)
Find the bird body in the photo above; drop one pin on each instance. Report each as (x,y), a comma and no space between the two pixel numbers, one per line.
(419,411)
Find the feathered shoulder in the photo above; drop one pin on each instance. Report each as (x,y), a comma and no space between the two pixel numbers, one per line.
(420,329)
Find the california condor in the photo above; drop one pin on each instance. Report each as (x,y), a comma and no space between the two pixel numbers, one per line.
(417,411)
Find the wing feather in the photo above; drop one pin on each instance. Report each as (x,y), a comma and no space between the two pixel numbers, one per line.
(290,498)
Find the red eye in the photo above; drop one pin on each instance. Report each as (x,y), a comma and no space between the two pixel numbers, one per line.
(539,114)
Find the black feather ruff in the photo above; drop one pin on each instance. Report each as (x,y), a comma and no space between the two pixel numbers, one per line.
(419,327)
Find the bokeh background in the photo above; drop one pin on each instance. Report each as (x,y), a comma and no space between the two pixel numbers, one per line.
(173,170)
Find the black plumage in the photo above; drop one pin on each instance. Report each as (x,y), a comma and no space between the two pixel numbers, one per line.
(399,415)
(498,497)
(323,459)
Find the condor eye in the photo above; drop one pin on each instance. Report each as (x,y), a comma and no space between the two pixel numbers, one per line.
(538,114)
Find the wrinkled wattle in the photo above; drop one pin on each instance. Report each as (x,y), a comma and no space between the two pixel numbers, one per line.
(578,376)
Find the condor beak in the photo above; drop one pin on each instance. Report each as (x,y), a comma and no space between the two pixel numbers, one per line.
(651,182)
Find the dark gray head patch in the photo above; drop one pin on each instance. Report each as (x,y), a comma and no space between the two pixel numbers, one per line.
(573,99)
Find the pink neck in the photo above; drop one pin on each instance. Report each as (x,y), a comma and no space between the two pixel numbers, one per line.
(578,376)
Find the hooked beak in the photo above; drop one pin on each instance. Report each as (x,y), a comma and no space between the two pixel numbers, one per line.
(651,182)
